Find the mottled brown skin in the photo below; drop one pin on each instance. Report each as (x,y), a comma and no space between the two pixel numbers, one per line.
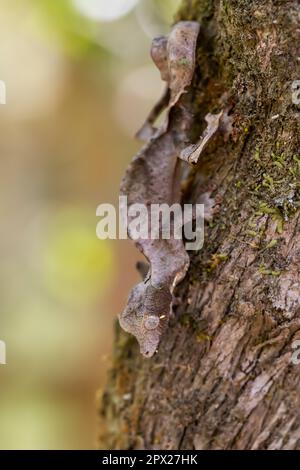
(154,177)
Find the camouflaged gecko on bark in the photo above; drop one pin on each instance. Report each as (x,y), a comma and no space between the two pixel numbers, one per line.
(154,177)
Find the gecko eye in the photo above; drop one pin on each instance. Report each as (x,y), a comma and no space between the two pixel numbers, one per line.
(151,322)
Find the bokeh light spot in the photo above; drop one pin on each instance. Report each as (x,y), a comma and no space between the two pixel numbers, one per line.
(105,10)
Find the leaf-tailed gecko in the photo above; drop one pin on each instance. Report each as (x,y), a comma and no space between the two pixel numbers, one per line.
(154,177)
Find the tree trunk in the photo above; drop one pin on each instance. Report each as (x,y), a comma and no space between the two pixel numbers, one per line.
(224,376)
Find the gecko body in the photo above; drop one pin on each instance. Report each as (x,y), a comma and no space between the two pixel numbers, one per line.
(154,177)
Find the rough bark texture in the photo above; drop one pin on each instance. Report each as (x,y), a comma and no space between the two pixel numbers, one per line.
(223,377)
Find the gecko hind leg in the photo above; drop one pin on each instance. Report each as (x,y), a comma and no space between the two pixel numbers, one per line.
(148,130)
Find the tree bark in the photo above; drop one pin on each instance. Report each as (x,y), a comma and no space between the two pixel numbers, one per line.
(224,377)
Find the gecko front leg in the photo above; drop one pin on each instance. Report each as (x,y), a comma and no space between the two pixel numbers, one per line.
(191,154)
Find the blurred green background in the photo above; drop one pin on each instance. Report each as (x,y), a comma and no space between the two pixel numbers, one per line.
(79,83)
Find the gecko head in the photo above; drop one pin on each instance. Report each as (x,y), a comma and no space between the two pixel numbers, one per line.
(146,316)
